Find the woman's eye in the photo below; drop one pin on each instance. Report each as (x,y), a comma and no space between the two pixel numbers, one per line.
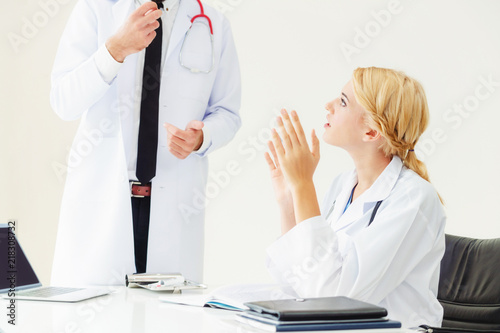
(342,102)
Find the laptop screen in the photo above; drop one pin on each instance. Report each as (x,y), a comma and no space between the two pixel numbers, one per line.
(14,265)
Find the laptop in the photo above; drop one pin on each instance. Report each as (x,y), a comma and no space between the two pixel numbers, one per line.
(18,280)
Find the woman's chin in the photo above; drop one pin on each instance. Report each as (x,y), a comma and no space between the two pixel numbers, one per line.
(328,139)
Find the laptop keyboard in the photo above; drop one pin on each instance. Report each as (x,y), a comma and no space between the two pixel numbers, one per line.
(47,291)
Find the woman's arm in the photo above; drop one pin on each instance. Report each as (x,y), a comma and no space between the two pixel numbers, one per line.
(298,164)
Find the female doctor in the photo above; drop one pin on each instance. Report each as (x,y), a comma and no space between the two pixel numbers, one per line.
(379,236)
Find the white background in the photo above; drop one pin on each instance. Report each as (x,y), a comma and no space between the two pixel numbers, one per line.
(290,55)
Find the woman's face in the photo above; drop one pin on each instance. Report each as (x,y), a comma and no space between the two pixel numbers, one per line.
(346,124)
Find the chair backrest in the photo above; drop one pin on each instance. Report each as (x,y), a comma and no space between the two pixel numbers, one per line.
(469,285)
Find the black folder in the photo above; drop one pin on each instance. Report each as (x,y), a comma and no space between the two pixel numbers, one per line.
(322,308)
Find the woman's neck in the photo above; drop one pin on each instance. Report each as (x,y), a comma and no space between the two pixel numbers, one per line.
(369,166)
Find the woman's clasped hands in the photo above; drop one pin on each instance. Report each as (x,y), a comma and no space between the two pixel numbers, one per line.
(293,163)
(291,151)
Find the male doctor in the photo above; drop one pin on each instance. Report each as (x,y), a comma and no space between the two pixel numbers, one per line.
(153,102)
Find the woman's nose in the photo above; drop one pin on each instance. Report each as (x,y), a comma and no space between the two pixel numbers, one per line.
(330,106)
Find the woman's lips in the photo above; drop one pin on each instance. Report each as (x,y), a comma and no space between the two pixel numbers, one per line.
(328,122)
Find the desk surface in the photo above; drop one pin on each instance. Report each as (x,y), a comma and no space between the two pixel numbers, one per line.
(126,310)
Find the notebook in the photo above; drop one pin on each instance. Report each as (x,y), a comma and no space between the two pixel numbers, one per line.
(320,308)
(315,314)
(18,279)
(320,326)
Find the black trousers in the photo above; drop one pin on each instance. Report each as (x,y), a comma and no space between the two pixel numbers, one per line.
(141,208)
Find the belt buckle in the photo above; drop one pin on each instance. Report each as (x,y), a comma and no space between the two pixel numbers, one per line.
(132,183)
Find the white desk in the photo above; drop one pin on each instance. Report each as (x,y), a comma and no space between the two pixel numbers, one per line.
(125,311)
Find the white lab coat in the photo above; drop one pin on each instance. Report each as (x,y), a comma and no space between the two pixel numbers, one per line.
(95,239)
(394,262)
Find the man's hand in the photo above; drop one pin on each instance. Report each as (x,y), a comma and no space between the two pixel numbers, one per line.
(181,143)
(136,33)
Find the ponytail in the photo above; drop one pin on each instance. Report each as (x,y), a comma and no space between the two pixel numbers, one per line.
(413,163)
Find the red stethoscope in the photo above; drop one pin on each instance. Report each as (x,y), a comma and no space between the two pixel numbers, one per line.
(204,16)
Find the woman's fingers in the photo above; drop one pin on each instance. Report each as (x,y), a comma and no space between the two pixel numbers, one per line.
(285,139)
(289,127)
(299,131)
(315,144)
(278,146)
(270,145)
(270,161)
(291,139)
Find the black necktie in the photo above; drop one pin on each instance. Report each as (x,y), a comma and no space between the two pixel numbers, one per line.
(147,143)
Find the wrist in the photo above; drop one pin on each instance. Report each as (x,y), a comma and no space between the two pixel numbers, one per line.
(115,50)
(286,206)
(305,201)
(200,142)
(301,187)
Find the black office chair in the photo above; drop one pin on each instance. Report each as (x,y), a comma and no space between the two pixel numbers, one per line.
(469,285)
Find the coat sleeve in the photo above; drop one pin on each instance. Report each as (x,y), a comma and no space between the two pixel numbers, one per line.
(76,81)
(222,119)
(316,261)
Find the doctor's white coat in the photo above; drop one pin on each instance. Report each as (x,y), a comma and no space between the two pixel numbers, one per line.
(95,240)
(394,262)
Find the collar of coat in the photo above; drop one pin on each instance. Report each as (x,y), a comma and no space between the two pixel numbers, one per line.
(384,184)
(379,190)
(166,3)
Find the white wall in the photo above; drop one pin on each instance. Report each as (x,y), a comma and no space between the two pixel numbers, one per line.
(290,54)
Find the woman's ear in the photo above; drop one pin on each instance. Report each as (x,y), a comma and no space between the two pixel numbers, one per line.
(371,135)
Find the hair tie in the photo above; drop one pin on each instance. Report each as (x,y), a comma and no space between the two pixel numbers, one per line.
(411,149)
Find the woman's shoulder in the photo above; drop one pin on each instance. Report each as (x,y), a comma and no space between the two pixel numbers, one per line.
(414,188)
(419,198)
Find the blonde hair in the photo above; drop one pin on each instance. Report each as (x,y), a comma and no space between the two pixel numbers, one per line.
(397,108)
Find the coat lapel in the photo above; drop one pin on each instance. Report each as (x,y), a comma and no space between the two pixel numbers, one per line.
(187,9)
(378,191)
(338,215)
(353,213)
